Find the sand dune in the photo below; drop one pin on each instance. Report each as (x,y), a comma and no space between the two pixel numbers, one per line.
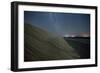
(40,45)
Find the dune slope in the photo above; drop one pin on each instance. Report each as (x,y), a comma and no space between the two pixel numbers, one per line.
(40,45)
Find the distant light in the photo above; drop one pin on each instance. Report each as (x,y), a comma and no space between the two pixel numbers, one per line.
(72,35)
(82,35)
(69,35)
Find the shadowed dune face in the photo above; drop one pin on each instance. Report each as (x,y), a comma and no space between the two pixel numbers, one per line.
(40,45)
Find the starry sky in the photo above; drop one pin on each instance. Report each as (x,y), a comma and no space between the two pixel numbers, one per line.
(59,23)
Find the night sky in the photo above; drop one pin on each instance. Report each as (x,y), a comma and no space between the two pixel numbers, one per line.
(60,23)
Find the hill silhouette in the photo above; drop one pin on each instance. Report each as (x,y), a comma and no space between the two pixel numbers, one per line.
(40,45)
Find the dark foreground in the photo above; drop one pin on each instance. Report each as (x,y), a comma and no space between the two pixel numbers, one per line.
(81,45)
